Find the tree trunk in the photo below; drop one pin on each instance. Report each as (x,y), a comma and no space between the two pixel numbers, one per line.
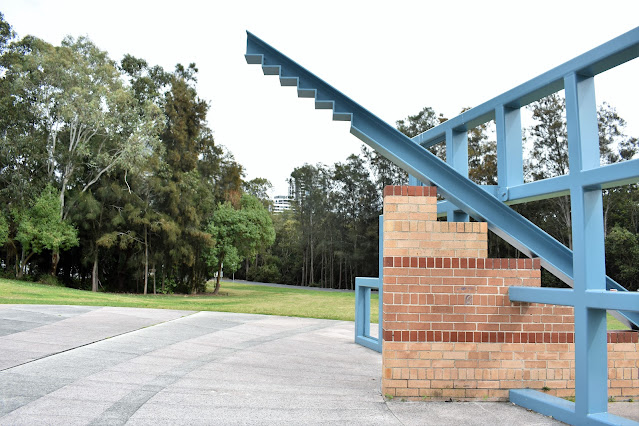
(146,259)
(94,275)
(607,199)
(155,272)
(55,259)
(163,291)
(217,280)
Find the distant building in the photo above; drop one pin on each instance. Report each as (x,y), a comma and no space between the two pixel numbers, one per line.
(281,203)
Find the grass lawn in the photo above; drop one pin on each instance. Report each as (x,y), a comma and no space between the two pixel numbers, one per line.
(242,298)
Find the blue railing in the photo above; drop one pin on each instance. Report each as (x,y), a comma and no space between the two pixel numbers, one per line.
(583,269)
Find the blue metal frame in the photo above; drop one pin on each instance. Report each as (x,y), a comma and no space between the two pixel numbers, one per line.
(583,269)
(363,287)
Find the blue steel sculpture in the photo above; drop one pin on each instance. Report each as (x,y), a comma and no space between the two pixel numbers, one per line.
(583,269)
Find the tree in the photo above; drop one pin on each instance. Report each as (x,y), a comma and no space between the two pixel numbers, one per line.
(385,171)
(90,118)
(129,152)
(42,228)
(224,232)
(424,120)
(482,156)
(614,144)
(622,257)
(258,234)
(549,158)
(237,234)
(259,188)
(357,205)
(312,185)
(82,121)
(6,33)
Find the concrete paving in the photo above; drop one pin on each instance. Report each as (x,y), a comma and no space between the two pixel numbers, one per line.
(72,365)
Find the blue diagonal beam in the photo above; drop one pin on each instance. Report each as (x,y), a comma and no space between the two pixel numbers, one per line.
(419,162)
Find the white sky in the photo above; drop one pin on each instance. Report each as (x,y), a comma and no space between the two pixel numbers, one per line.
(392,57)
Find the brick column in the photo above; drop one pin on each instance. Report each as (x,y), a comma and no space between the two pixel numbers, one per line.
(450,330)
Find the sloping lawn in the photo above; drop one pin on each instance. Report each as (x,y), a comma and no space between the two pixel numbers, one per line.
(235,297)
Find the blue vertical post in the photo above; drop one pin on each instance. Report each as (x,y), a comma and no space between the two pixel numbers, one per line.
(457,157)
(510,161)
(591,365)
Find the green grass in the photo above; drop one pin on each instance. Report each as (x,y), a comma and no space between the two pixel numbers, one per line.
(614,324)
(241,298)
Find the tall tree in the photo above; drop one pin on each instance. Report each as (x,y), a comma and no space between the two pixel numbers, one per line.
(357,205)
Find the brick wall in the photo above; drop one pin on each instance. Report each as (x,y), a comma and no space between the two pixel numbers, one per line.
(449,329)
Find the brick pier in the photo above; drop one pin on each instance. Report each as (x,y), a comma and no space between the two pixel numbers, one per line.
(449,329)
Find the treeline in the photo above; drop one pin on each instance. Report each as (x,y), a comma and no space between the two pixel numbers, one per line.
(331,234)
(109,175)
(110,179)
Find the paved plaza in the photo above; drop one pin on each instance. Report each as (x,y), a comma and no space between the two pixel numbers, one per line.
(77,365)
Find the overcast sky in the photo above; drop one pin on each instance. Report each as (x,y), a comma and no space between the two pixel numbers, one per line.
(392,57)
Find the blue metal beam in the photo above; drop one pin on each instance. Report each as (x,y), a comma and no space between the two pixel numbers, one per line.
(556,407)
(604,177)
(563,410)
(510,159)
(457,157)
(557,296)
(586,205)
(598,299)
